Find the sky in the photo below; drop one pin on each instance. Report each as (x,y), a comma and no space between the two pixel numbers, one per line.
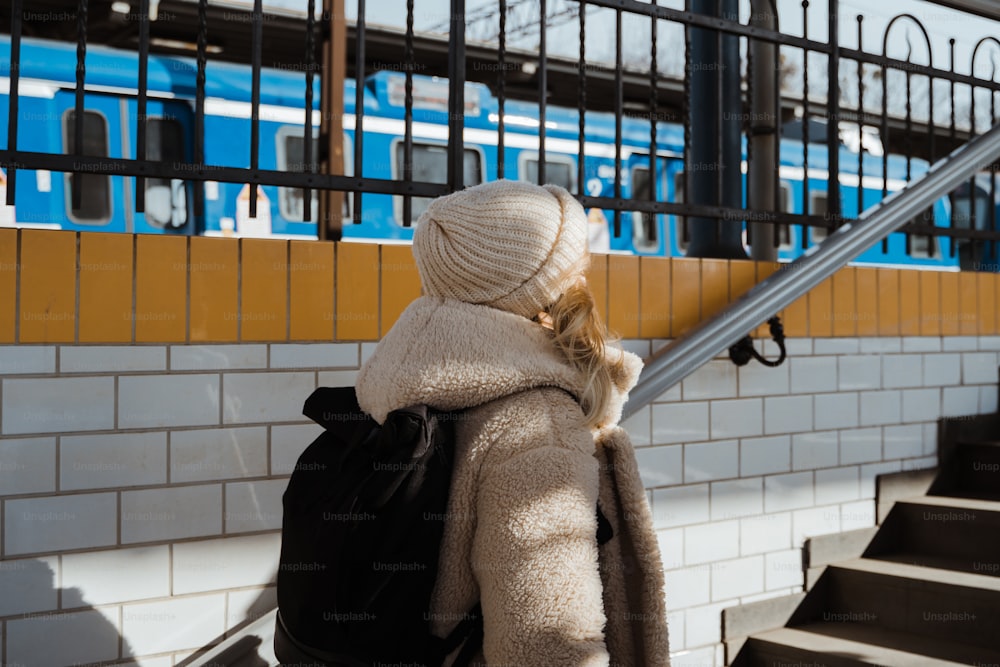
(940,22)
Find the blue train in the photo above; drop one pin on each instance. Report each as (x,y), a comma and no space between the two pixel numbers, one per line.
(46,107)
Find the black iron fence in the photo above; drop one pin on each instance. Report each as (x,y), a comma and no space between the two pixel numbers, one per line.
(954,103)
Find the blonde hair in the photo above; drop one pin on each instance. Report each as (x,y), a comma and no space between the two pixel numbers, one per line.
(583,337)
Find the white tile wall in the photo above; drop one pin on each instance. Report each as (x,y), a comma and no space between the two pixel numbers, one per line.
(814,521)
(859,514)
(245,606)
(836,410)
(266,397)
(254,505)
(217,357)
(172,625)
(680,505)
(315,355)
(979,368)
(661,466)
(733,578)
(859,372)
(225,453)
(880,345)
(711,460)
(48,405)
(716,379)
(680,422)
(921,344)
(872,470)
(960,343)
(813,374)
(958,401)
(27,465)
(942,369)
(987,399)
(902,370)
(112,358)
(117,575)
(640,427)
(28,585)
(688,587)
(711,542)
(989,342)
(814,450)
(232,562)
(783,569)
(788,414)
(112,460)
(759,380)
(703,625)
(767,532)
(836,346)
(171,513)
(287,444)
(921,405)
(837,485)
(737,419)
(901,442)
(63,639)
(788,492)
(671,543)
(880,407)
(737,498)
(24,359)
(337,378)
(158,401)
(34,525)
(760,456)
(860,445)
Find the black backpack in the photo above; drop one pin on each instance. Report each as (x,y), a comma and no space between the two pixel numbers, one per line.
(364,514)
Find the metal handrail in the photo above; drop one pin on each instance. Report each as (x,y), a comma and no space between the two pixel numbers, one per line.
(677,360)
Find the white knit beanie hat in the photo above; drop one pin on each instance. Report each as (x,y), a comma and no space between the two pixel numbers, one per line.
(506,244)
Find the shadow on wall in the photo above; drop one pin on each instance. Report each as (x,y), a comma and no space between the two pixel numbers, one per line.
(39,636)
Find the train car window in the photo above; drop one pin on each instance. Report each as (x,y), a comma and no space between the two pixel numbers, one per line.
(559,170)
(95,189)
(817,206)
(784,231)
(430,165)
(166,199)
(920,244)
(290,152)
(961,208)
(644,232)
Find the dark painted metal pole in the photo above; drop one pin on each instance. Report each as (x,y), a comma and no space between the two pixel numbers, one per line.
(715,142)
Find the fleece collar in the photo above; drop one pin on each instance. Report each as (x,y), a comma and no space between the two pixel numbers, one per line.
(452,355)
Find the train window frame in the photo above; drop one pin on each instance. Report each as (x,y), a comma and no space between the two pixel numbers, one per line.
(68,177)
(281,162)
(550,158)
(397,200)
(785,206)
(817,234)
(642,244)
(680,221)
(149,182)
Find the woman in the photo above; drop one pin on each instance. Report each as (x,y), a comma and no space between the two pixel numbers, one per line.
(548,524)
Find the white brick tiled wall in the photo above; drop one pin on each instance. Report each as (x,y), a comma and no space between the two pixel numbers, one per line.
(252,506)
(48,405)
(232,562)
(227,453)
(736,419)
(711,460)
(34,525)
(171,513)
(265,397)
(138,573)
(112,460)
(118,359)
(27,465)
(147,480)
(159,401)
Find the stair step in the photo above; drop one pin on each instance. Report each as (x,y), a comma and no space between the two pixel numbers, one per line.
(856,645)
(963,529)
(974,566)
(940,604)
(974,470)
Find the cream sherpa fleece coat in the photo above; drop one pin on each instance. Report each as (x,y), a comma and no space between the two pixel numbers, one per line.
(521,528)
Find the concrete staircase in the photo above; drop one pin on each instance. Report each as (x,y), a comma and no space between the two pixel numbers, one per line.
(926,590)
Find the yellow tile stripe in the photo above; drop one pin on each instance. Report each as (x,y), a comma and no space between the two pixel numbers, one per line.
(105,288)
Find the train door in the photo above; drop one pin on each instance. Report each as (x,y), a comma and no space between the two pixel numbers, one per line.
(650,233)
(169,203)
(100,201)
